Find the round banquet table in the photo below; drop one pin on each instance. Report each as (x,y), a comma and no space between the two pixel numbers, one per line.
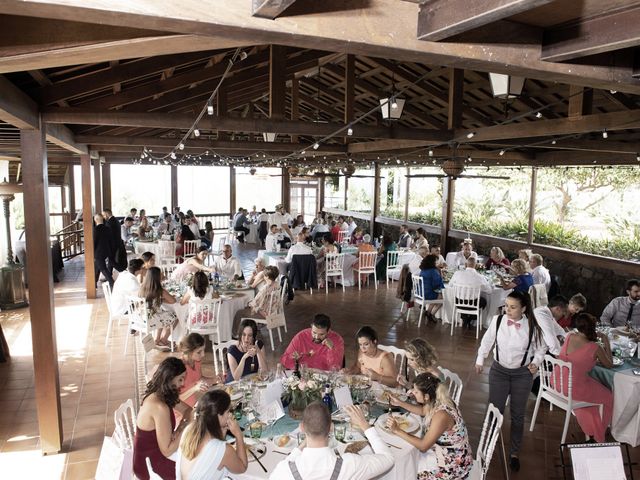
(252,236)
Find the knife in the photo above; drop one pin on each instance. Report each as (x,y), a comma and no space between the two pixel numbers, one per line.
(259,462)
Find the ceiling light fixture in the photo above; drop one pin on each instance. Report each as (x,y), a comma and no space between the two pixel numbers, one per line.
(605,134)
(196,132)
(316,146)
(209,108)
(349,131)
(471,134)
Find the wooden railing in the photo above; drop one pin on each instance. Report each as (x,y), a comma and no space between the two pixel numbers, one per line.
(220,221)
(71,240)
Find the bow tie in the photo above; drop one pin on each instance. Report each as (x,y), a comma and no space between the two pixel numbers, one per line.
(515,324)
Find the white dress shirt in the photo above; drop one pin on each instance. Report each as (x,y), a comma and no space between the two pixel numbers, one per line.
(271,242)
(318,463)
(298,249)
(470,278)
(550,329)
(461,261)
(352,227)
(512,343)
(126,285)
(414,264)
(195,230)
(280,220)
(319,228)
(263,217)
(344,226)
(228,267)
(541,276)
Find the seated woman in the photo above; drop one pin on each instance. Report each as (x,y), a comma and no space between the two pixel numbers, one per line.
(185,233)
(582,350)
(388,245)
(445,453)
(357,236)
(156,437)
(373,362)
(432,283)
(157,299)
(192,349)
(421,239)
(204,454)
(144,228)
(421,358)
(149,260)
(208,232)
(496,259)
(256,280)
(264,302)
(193,265)
(365,246)
(248,356)
(328,246)
(522,281)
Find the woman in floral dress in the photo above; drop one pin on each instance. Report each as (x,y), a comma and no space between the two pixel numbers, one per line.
(445,453)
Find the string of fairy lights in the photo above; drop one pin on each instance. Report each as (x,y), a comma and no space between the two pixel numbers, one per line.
(423,156)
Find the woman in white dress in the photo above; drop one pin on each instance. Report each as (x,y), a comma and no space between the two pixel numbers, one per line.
(203,452)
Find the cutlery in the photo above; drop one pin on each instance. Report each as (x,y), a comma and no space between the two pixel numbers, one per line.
(393,446)
(281,453)
(257,460)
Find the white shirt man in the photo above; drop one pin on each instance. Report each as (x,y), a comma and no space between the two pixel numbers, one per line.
(317,461)
(405,240)
(278,218)
(320,227)
(539,273)
(126,285)
(298,248)
(469,277)
(460,260)
(272,239)
(547,317)
(414,264)
(227,265)
(263,217)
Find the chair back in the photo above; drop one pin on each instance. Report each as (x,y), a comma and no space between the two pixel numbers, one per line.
(125,421)
(334,263)
(538,294)
(455,384)
(203,316)
(467,296)
(106,289)
(367,261)
(152,474)
(165,237)
(190,248)
(555,379)
(399,355)
(342,234)
(488,438)
(219,352)
(138,314)
(167,250)
(417,287)
(393,260)
(167,270)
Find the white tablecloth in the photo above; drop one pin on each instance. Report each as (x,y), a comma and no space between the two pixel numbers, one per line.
(625,424)
(228,311)
(495,300)
(252,236)
(404,258)
(140,247)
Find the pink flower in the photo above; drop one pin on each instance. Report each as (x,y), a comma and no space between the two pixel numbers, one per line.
(302,385)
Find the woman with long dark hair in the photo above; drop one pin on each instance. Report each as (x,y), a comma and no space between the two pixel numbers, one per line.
(156,437)
(373,362)
(248,356)
(518,350)
(203,453)
(156,298)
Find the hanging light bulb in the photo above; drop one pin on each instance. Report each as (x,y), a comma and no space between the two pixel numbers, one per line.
(471,134)
(349,131)
(316,146)
(501,152)
(181,146)
(430,153)
(209,108)
(196,132)
(605,134)
(539,115)
(394,103)
(173,155)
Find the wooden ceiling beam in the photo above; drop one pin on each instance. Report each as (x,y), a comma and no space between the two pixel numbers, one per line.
(610,146)
(331,24)
(586,158)
(599,34)
(442,19)
(184,121)
(270,9)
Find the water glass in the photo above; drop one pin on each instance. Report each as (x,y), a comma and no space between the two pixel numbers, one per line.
(301,437)
(339,431)
(256,429)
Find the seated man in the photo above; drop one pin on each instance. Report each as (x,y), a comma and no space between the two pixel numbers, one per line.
(272,239)
(279,217)
(314,459)
(316,347)
(461,257)
(435,250)
(623,311)
(226,265)
(405,240)
(298,248)
(539,271)
(240,225)
(469,277)
(167,226)
(552,333)
(125,232)
(126,285)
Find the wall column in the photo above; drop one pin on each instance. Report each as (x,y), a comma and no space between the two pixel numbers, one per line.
(98,184)
(375,208)
(106,185)
(41,308)
(87,223)
(174,188)
(232,190)
(286,189)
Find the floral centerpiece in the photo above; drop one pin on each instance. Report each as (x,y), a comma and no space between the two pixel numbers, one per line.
(299,392)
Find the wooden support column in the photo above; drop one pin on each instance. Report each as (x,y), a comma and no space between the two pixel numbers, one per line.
(346,191)
(87,220)
(295,101)
(456,93)
(97,180)
(174,187)
(532,204)
(321,181)
(349,90)
(41,308)
(106,185)
(580,101)
(277,81)
(72,191)
(232,190)
(407,185)
(286,189)
(375,208)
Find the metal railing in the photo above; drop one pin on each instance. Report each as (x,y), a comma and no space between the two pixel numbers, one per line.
(71,240)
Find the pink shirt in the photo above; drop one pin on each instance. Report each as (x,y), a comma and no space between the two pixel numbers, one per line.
(192,377)
(314,355)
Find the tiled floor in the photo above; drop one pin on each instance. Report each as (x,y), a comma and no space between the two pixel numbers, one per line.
(95,379)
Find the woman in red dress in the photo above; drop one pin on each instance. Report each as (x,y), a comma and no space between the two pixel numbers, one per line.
(582,350)
(156,436)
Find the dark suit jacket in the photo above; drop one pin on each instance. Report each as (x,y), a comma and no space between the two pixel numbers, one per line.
(102,242)
(114,229)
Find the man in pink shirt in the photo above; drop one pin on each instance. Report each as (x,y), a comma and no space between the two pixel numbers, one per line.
(317,347)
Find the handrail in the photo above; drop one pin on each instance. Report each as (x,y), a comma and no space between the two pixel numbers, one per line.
(71,241)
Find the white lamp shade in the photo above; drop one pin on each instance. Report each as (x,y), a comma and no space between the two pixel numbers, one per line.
(506,86)
(269,137)
(387,110)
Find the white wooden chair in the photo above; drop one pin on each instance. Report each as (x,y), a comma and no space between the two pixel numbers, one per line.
(106,289)
(455,384)
(167,269)
(398,353)
(203,318)
(190,248)
(219,352)
(342,235)
(152,474)
(366,266)
(466,300)
(417,288)
(166,251)
(275,317)
(125,421)
(538,294)
(334,267)
(393,264)
(553,384)
(488,439)
(138,319)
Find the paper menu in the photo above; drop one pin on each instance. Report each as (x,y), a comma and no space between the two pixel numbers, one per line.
(342,396)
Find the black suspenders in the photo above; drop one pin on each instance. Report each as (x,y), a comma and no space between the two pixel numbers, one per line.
(524,357)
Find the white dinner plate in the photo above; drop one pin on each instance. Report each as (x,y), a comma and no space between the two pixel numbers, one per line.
(407,423)
(617,361)
(287,446)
